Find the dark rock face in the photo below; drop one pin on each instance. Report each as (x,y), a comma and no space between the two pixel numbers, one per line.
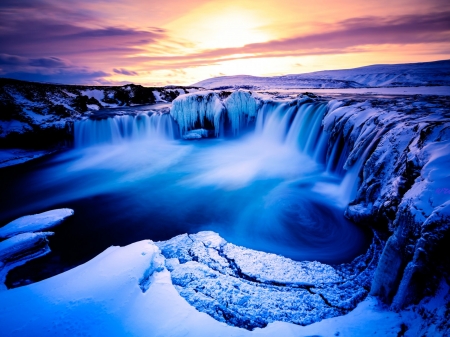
(402,147)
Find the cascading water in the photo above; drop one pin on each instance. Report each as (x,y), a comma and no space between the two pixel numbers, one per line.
(267,189)
(118,129)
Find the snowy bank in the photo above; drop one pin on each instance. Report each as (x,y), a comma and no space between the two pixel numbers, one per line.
(106,297)
(36,222)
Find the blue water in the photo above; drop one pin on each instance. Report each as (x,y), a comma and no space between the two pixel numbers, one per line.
(253,191)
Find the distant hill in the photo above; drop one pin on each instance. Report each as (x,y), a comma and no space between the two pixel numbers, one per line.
(380,75)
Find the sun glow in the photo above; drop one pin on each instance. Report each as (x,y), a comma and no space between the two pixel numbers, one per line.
(230,27)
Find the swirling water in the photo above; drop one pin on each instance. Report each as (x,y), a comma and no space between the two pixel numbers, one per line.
(263,191)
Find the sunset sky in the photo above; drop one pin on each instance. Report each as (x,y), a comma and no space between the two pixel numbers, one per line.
(181,42)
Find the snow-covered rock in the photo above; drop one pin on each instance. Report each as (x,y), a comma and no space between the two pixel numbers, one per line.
(249,289)
(36,222)
(19,249)
(105,297)
(399,150)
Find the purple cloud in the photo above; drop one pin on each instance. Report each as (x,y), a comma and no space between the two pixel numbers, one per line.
(339,38)
(125,72)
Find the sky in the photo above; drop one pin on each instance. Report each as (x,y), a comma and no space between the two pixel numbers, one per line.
(156,43)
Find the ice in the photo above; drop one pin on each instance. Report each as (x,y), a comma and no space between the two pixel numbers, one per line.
(196,134)
(194,108)
(241,106)
(249,288)
(36,222)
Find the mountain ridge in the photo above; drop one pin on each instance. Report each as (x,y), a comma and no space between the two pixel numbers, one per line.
(434,73)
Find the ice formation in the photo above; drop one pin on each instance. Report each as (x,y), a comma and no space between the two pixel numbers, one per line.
(241,107)
(192,109)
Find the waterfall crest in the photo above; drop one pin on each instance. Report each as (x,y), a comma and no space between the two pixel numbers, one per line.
(119,129)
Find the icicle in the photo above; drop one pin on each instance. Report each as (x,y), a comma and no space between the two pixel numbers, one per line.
(189,109)
(241,106)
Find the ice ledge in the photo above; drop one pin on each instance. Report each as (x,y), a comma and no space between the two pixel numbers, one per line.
(36,222)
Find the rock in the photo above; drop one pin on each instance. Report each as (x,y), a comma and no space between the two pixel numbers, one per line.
(248,288)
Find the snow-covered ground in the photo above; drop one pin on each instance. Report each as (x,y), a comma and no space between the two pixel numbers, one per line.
(129,291)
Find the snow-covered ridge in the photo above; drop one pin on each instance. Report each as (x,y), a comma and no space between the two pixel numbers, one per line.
(389,75)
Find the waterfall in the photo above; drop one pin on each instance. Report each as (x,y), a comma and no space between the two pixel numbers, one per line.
(118,129)
(297,124)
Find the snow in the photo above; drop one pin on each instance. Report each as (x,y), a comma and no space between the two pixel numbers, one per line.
(93,107)
(104,297)
(403,91)
(189,109)
(395,75)
(96,93)
(9,157)
(19,249)
(36,117)
(157,95)
(36,222)
(13,125)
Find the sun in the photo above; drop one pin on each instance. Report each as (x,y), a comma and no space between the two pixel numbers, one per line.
(209,28)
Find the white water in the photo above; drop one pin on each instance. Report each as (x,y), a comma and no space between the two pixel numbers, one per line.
(124,129)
